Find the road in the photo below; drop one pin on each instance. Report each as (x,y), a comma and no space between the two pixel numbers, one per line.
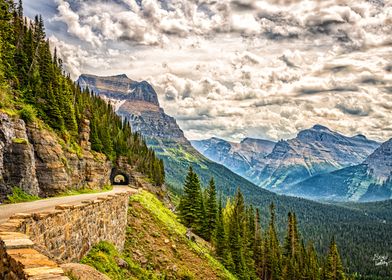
(7,210)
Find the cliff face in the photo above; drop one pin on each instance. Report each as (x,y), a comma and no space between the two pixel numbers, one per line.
(138,102)
(33,159)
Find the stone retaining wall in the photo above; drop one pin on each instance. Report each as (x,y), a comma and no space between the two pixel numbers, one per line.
(32,245)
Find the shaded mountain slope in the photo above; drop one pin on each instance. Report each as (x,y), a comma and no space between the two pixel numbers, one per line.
(368,181)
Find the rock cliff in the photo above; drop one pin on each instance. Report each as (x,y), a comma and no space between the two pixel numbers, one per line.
(137,102)
(37,160)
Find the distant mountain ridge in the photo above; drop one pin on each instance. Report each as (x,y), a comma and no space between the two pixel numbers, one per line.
(240,158)
(369,181)
(278,166)
(313,151)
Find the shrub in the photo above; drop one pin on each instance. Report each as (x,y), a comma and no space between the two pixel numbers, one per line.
(28,113)
(19,195)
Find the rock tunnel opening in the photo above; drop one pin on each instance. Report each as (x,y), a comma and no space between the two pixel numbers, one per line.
(119,178)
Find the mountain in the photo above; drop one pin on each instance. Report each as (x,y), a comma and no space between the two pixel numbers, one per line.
(278,166)
(368,181)
(314,151)
(137,102)
(240,158)
(318,222)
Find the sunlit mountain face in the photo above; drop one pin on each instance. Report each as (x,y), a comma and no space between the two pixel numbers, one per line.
(236,69)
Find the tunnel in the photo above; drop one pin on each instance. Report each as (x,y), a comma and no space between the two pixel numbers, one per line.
(118,177)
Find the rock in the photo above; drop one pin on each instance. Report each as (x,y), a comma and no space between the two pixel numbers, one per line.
(167,241)
(17,161)
(83,272)
(121,263)
(143,260)
(33,159)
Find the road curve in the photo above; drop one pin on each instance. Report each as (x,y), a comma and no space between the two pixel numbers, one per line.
(7,210)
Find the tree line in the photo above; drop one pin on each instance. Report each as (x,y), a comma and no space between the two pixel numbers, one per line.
(34,83)
(241,244)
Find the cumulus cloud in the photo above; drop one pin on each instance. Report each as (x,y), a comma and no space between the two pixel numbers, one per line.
(237,68)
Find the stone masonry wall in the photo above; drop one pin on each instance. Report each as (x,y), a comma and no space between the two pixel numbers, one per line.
(32,245)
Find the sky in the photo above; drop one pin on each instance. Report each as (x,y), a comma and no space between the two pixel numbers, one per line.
(239,68)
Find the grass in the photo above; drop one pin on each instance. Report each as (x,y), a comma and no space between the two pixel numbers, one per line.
(104,258)
(170,221)
(86,191)
(20,141)
(19,195)
(150,224)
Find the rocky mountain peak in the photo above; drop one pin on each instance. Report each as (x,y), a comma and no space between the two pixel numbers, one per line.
(138,102)
(120,87)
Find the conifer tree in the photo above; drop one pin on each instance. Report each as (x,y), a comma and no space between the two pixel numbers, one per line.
(191,203)
(272,253)
(211,209)
(219,235)
(333,267)
(257,246)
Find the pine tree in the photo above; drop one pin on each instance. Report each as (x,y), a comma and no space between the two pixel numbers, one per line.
(220,236)
(211,209)
(190,208)
(312,271)
(257,247)
(272,251)
(235,237)
(333,267)
(291,250)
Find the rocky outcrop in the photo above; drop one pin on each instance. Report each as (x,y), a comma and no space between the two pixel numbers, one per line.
(379,164)
(138,103)
(17,160)
(37,160)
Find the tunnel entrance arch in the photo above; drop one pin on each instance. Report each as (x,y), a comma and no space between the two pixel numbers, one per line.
(119,177)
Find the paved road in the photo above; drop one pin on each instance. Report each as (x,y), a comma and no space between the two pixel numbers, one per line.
(8,210)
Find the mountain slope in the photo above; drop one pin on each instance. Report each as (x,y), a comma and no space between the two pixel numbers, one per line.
(368,181)
(240,158)
(137,102)
(318,222)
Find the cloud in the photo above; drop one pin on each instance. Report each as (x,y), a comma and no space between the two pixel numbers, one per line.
(72,19)
(237,68)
